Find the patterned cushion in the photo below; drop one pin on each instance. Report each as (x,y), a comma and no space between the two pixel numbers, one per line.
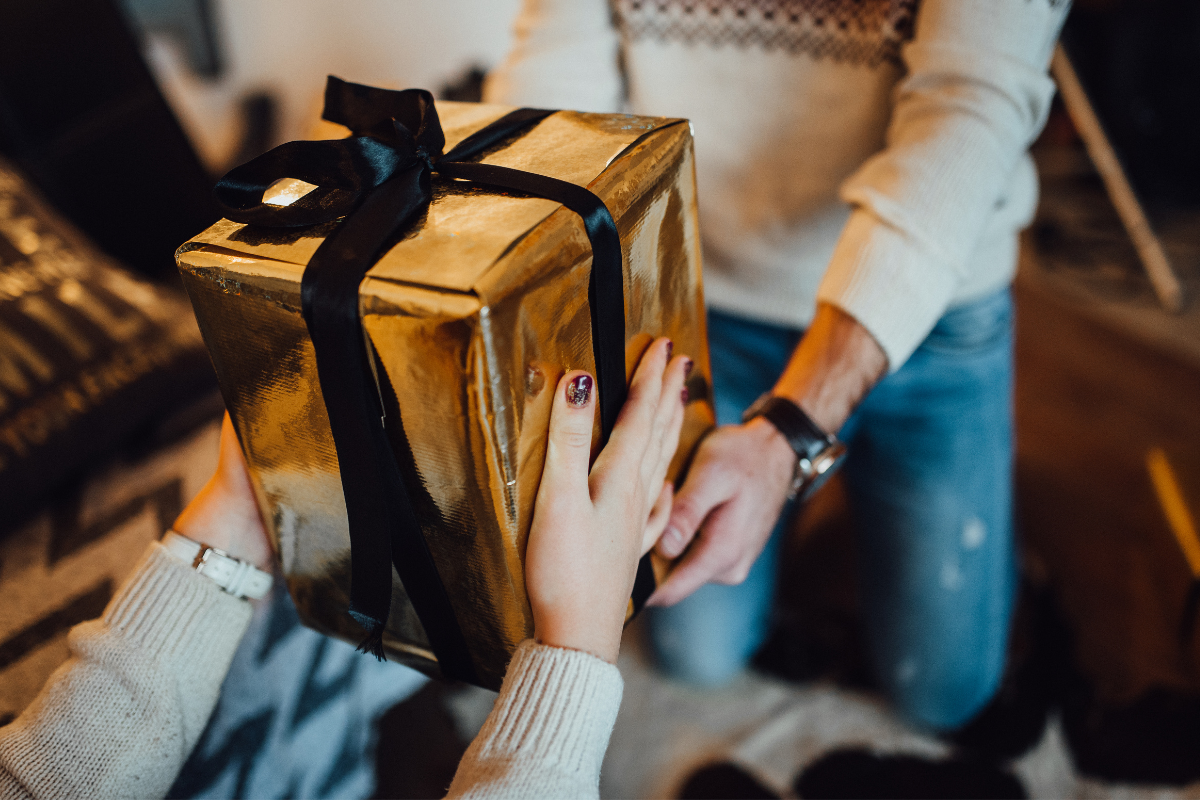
(89,354)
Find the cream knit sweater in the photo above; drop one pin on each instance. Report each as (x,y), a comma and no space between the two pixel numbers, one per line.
(866,153)
(119,718)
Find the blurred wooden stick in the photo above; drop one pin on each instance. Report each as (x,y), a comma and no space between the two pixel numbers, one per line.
(1174,507)
(1149,248)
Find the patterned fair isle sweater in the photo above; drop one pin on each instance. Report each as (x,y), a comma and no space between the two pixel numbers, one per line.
(120,717)
(871,154)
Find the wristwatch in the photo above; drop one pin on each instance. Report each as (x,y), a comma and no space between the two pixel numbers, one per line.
(818,454)
(238,578)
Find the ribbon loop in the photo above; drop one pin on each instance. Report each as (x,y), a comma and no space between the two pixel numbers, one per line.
(343,170)
(369,111)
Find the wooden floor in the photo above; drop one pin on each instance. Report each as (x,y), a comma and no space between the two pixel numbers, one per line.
(1104,376)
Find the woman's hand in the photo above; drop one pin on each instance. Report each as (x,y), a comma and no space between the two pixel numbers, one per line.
(224,514)
(589,531)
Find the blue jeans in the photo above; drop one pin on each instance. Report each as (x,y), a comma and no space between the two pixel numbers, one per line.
(930,482)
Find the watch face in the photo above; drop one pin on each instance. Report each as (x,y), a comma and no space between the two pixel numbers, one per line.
(822,468)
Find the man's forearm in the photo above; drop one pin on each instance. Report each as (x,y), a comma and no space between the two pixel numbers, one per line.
(832,369)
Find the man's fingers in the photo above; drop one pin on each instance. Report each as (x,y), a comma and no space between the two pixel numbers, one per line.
(659,514)
(728,545)
(569,442)
(693,571)
(706,488)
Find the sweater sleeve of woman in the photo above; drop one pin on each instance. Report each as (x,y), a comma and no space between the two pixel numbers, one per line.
(121,716)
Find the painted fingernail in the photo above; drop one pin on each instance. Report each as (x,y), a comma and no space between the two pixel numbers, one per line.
(579,390)
(688,367)
(671,543)
(670,349)
(684,395)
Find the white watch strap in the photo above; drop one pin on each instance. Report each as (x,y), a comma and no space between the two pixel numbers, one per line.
(237,577)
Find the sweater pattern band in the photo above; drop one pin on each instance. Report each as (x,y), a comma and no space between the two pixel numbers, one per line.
(866,32)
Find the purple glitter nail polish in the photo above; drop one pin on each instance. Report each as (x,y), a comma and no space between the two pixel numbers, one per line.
(579,391)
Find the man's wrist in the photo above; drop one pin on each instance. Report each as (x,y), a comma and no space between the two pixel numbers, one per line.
(773,446)
(817,453)
(836,363)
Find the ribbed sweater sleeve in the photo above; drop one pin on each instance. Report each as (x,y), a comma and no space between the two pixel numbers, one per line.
(121,716)
(548,731)
(564,55)
(976,95)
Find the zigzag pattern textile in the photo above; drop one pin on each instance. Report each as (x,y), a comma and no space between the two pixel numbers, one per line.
(867,32)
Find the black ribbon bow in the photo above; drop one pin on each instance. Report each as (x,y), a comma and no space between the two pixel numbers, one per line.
(379,179)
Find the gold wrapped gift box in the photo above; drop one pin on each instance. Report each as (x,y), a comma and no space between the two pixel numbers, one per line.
(473,316)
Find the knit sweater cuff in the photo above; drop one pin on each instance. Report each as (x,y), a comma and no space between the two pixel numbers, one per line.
(885,281)
(557,707)
(174,615)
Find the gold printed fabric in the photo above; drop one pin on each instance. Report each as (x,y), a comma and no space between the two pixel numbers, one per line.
(472,316)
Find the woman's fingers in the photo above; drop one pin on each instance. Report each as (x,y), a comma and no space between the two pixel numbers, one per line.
(668,445)
(659,514)
(632,434)
(569,441)
(668,419)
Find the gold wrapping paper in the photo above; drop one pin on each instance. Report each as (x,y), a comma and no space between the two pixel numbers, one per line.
(473,317)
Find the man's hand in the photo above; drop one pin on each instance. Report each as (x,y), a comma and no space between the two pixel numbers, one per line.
(589,530)
(739,480)
(735,489)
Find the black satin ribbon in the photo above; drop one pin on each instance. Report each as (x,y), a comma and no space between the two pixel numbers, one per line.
(379,179)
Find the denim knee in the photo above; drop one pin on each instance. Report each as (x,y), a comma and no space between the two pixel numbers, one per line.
(703,643)
(707,668)
(708,638)
(945,697)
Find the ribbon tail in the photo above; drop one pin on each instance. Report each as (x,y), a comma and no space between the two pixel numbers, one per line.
(1187,621)
(372,643)
(329,299)
(384,529)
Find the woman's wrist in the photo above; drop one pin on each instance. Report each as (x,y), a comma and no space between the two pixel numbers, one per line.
(217,518)
(593,636)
